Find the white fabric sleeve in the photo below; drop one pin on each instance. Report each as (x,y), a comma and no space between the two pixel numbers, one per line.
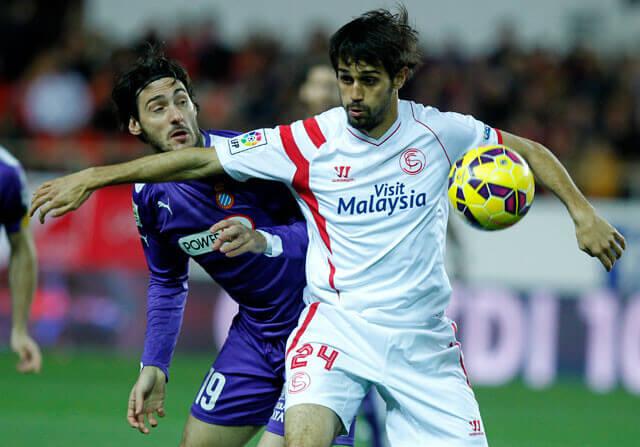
(463,132)
(274,244)
(256,154)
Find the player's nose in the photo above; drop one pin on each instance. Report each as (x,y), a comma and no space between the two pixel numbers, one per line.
(175,115)
(357,92)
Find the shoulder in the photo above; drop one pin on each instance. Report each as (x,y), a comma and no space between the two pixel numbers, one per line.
(331,122)
(143,194)
(436,120)
(11,174)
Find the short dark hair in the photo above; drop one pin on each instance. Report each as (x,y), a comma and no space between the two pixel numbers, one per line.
(151,66)
(377,37)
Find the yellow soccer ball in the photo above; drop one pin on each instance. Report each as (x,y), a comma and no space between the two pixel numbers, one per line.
(492,187)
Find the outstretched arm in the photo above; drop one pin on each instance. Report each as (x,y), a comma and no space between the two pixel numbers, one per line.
(596,236)
(22,282)
(66,194)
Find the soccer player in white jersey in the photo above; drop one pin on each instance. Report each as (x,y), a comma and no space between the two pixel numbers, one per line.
(371,180)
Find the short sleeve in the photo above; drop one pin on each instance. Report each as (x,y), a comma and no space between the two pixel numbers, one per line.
(13,198)
(455,132)
(256,154)
(464,132)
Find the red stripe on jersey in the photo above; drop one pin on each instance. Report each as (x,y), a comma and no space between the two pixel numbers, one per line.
(464,370)
(301,181)
(434,134)
(301,185)
(332,274)
(499,135)
(312,311)
(314,132)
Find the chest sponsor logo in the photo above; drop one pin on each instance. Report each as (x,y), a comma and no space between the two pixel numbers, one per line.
(386,199)
(225,200)
(201,243)
(412,161)
(342,174)
(247,141)
(198,243)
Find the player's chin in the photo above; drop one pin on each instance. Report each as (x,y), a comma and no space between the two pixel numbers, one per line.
(361,123)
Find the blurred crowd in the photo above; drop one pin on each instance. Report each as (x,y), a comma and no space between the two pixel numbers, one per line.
(55,86)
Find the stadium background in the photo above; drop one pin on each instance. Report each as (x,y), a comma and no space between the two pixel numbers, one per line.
(551,341)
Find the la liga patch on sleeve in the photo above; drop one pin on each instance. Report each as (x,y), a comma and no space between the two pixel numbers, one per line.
(246,141)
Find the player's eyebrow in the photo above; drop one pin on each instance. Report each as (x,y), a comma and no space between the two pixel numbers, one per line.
(154,98)
(360,72)
(161,96)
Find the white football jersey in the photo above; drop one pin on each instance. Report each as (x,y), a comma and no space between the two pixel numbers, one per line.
(376,209)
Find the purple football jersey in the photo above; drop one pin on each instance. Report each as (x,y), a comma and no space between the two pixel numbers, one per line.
(173,220)
(13,192)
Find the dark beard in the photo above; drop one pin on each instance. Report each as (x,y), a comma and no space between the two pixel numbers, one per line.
(158,149)
(374,118)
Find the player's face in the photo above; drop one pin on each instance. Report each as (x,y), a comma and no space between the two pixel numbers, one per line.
(368,95)
(168,117)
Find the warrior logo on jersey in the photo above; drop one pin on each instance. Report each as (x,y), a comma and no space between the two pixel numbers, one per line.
(247,141)
(412,161)
(225,200)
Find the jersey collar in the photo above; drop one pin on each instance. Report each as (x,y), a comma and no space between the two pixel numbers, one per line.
(393,129)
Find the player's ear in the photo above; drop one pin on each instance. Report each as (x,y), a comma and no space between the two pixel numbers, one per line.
(400,78)
(134,126)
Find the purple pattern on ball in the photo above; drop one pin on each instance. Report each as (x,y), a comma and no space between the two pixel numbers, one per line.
(499,191)
(461,207)
(513,157)
(459,194)
(484,159)
(496,151)
(510,204)
(474,182)
(522,201)
(484,191)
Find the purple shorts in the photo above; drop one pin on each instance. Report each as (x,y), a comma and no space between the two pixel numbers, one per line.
(244,385)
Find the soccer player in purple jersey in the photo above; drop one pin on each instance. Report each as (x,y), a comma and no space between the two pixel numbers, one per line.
(23,268)
(260,265)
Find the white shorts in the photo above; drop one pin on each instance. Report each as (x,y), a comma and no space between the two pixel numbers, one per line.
(334,356)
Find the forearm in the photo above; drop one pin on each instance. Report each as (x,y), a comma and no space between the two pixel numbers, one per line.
(164,320)
(22,279)
(183,164)
(549,172)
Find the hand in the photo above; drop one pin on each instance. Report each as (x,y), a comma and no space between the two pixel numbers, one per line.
(599,239)
(28,350)
(62,195)
(147,397)
(235,239)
